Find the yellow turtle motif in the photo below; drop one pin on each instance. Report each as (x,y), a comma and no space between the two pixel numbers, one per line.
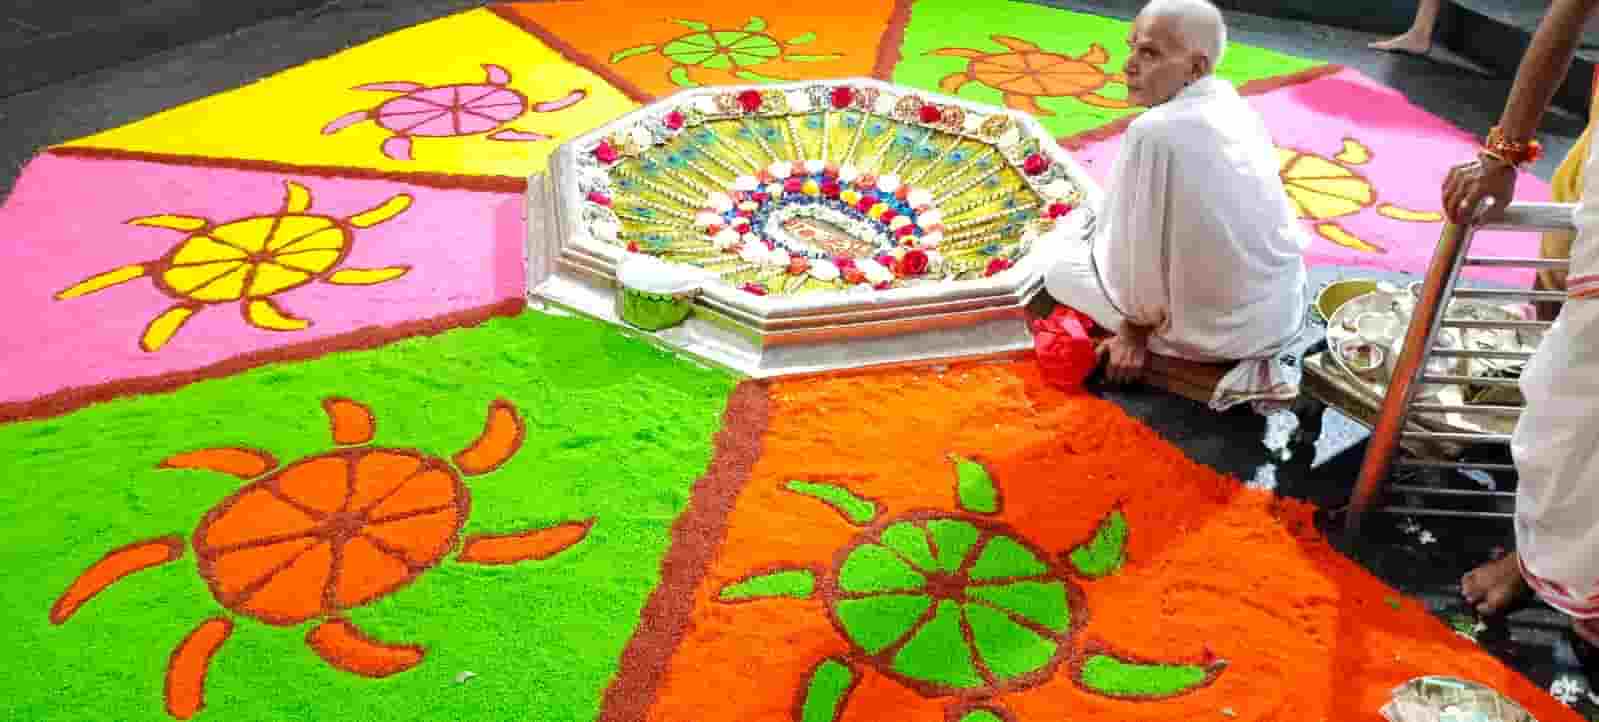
(1027,73)
(249,260)
(1323,189)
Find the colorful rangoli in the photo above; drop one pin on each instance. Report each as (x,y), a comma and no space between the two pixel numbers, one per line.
(628,535)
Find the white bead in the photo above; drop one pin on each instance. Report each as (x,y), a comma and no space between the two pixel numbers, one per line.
(919,197)
(888,183)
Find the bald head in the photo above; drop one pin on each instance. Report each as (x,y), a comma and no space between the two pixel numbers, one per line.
(1196,23)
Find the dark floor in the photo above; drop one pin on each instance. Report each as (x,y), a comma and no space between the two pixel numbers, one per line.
(137,88)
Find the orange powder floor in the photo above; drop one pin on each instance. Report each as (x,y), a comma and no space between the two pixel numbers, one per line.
(1212,567)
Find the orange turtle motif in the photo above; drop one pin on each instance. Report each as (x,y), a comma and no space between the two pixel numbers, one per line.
(1027,73)
(309,540)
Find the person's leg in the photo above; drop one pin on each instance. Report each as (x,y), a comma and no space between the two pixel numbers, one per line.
(1072,282)
(1418,39)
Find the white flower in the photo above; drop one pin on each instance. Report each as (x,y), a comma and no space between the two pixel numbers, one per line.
(899,222)
(707,218)
(776,255)
(1567,689)
(919,197)
(1409,526)
(823,270)
(725,238)
(932,239)
(641,135)
(774,190)
(848,173)
(780,169)
(888,183)
(746,183)
(929,218)
(1426,537)
(719,202)
(1059,189)
(814,166)
(753,253)
(875,272)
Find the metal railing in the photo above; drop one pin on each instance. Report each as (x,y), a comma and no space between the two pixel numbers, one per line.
(1410,369)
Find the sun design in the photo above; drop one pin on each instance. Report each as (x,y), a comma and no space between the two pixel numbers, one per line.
(1025,73)
(249,260)
(731,51)
(1323,189)
(961,606)
(309,540)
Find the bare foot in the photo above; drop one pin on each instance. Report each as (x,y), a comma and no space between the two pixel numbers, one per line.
(1494,586)
(1407,43)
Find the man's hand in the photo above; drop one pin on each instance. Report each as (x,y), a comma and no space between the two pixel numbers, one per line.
(1128,355)
(1469,183)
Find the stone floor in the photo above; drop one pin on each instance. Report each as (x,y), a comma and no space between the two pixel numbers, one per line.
(1446,87)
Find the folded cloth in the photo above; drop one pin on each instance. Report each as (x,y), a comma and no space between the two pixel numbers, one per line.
(1270,382)
(1064,344)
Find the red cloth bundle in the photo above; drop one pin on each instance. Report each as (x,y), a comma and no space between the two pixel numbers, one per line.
(1065,347)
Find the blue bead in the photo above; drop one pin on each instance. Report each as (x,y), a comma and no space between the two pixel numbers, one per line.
(991,249)
(851,121)
(876,129)
(813,122)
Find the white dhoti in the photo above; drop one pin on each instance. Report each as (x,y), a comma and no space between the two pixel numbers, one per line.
(1556,442)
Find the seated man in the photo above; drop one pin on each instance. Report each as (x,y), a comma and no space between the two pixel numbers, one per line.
(1198,253)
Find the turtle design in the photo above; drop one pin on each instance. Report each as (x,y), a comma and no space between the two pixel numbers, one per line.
(731,51)
(1026,73)
(960,605)
(450,110)
(309,540)
(1323,189)
(249,261)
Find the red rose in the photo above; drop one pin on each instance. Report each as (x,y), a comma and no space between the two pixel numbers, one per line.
(885,260)
(914,263)
(793,185)
(761,197)
(798,265)
(866,182)
(742,226)
(750,100)
(604,153)
(843,96)
(674,120)
(930,114)
(888,215)
(830,188)
(997,265)
(600,198)
(1035,164)
(904,231)
(797,169)
(853,275)
(632,246)
(1057,210)
(754,288)
(843,262)
(866,203)
(830,170)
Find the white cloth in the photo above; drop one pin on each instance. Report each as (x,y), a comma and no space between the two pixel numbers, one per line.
(1198,238)
(1556,442)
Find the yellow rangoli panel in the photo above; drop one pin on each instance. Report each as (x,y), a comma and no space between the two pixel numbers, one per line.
(283,118)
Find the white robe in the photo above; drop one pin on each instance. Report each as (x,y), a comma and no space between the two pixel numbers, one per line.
(1197,236)
(1556,443)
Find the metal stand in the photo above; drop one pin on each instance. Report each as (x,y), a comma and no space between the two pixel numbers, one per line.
(1410,370)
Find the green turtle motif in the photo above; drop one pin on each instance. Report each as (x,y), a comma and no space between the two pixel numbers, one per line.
(959,605)
(733,51)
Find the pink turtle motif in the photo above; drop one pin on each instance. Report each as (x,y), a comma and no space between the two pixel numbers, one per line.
(450,110)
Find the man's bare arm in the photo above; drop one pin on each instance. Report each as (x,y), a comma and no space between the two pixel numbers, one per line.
(1544,67)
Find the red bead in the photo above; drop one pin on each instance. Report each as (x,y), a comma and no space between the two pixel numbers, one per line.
(930,114)
(885,260)
(905,231)
(866,203)
(712,229)
(632,247)
(797,169)
(674,120)
(830,188)
(600,198)
(754,288)
(604,153)
(793,185)
(1035,164)
(750,100)
(843,96)
(888,215)
(997,265)
(903,192)
(1057,210)
(831,170)
(761,197)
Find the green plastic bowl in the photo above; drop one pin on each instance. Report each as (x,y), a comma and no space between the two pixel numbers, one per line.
(653,311)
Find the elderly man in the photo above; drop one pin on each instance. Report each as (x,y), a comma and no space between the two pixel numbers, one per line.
(1198,254)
